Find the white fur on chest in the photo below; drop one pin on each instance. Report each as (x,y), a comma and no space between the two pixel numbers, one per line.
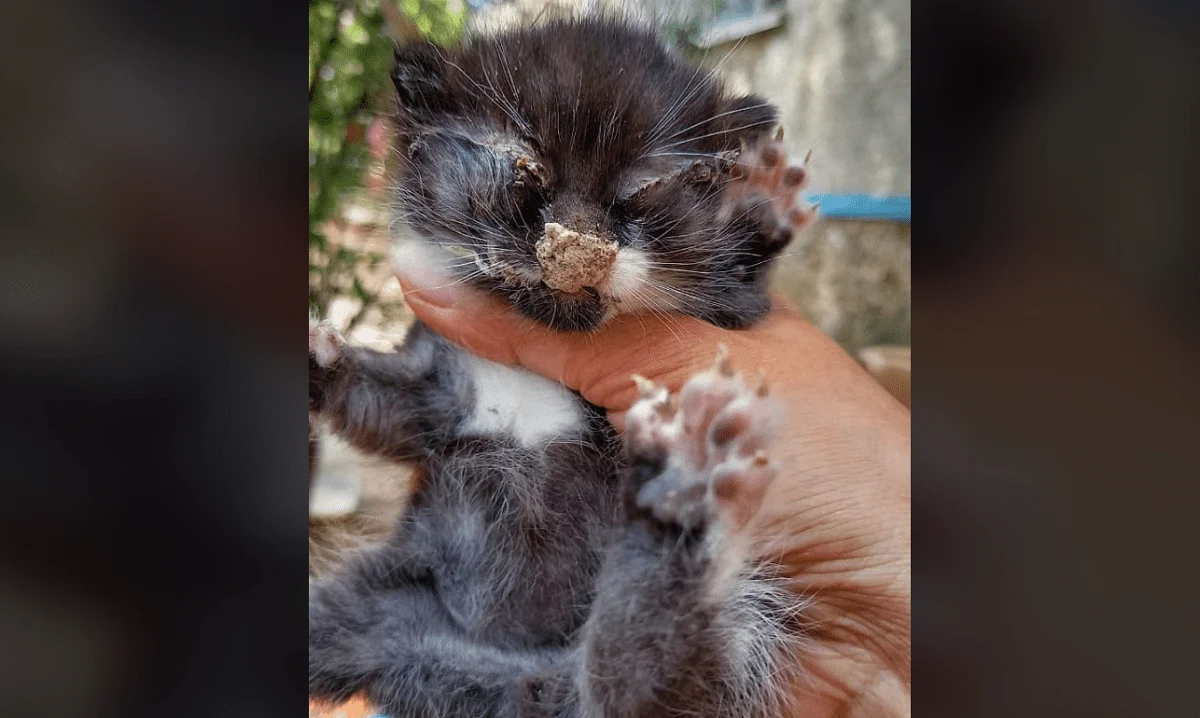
(514,402)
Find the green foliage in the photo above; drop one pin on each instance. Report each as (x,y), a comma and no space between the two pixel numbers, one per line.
(349,57)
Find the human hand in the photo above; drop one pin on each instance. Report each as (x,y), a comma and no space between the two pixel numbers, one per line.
(836,517)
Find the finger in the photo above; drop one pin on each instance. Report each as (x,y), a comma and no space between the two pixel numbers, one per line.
(484,324)
(474,320)
(782,305)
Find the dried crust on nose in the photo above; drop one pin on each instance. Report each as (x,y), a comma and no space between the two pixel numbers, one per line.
(572,260)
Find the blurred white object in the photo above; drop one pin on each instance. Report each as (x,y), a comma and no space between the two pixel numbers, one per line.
(337,487)
(341,310)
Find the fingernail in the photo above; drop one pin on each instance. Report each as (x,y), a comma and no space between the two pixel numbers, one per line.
(421,276)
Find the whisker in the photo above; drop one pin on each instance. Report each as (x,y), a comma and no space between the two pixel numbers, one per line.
(740,128)
(706,120)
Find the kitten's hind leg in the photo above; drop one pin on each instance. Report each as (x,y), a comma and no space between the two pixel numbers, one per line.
(401,404)
(349,630)
(680,626)
(381,631)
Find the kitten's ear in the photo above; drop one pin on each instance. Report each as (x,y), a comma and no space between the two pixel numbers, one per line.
(748,118)
(419,74)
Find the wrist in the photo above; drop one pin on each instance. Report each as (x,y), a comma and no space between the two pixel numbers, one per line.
(838,521)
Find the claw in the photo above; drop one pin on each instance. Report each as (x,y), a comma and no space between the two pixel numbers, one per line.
(760,458)
(722,364)
(801,218)
(646,388)
(779,134)
(807,157)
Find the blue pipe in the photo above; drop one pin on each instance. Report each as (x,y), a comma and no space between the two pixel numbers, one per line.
(864,207)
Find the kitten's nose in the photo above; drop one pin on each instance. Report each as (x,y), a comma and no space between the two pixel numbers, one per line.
(573,260)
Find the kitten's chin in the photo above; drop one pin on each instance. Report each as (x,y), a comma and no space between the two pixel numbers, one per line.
(580,312)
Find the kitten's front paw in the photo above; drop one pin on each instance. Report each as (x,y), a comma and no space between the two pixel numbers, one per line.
(324,343)
(325,349)
(712,448)
(764,192)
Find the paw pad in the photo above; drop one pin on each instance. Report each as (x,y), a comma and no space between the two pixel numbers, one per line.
(765,189)
(715,441)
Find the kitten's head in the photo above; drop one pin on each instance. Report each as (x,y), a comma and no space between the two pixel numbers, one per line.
(576,169)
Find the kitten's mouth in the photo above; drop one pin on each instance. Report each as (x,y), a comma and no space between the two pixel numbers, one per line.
(587,273)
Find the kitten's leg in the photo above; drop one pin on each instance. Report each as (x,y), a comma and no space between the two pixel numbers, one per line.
(350,626)
(381,631)
(763,194)
(400,404)
(679,626)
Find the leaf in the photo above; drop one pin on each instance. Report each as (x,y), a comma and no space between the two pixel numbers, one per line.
(358,291)
(348,72)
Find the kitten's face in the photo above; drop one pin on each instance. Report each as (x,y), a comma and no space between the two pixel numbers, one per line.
(598,132)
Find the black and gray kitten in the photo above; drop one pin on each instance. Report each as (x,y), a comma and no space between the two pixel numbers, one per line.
(545,566)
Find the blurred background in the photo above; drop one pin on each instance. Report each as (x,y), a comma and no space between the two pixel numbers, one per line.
(837,70)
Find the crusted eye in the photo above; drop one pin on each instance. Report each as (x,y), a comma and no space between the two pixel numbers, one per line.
(636,192)
(528,189)
(642,189)
(528,172)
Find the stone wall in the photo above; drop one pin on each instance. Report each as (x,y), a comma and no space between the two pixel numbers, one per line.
(838,71)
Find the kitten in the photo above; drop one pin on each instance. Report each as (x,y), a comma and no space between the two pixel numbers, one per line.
(545,567)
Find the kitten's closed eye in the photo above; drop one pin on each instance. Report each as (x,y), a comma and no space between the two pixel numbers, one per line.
(497,178)
(647,189)
(529,189)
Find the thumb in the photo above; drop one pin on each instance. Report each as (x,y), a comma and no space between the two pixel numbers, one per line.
(481,323)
